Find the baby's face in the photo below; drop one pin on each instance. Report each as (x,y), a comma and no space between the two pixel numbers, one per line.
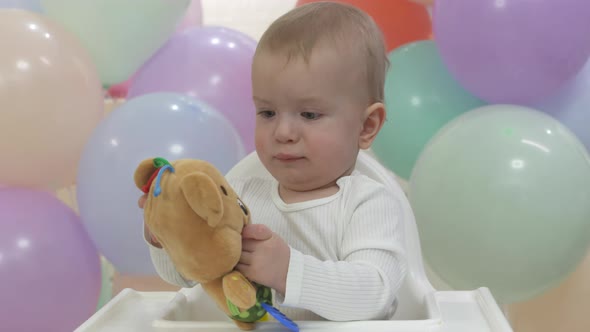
(309,116)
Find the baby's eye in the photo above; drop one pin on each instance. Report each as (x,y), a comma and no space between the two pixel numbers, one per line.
(310,115)
(266,114)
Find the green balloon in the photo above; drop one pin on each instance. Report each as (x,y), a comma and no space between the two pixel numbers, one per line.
(420,97)
(119,35)
(502,199)
(106,285)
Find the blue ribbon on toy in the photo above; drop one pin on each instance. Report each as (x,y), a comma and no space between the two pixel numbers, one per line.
(158,189)
(280,317)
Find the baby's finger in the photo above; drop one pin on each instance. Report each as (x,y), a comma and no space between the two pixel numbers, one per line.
(154,240)
(243,268)
(256,232)
(249,245)
(141,201)
(246,258)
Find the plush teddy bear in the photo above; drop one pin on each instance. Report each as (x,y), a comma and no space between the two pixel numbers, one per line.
(198,218)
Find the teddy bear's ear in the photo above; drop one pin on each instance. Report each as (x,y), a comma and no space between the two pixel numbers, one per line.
(143,172)
(203,196)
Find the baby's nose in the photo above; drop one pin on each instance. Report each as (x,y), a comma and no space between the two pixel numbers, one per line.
(286,131)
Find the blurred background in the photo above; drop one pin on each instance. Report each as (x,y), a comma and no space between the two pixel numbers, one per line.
(488,132)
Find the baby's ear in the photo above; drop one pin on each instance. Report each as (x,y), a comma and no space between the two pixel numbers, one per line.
(203,196)
(143,172)
(374,118)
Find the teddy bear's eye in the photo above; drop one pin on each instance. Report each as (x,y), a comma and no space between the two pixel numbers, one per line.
(243,207)
(224,191)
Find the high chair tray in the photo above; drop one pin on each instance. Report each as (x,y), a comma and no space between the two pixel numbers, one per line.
(190,310)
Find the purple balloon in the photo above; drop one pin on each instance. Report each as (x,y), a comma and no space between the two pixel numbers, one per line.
(212,64)
(513,51)
(49,268)
(571,105)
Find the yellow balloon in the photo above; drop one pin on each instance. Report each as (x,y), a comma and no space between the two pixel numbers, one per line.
(50,101)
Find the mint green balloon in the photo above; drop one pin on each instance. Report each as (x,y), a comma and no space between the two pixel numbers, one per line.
(107,272)
(420,97)
(120,35)
(502,199)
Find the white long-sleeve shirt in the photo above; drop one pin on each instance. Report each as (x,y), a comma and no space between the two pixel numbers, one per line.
(347,259)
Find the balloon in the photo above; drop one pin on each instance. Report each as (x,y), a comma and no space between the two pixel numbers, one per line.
(420,96)
(49,268)
(193,16)
(106,285)
(513,51)
(120,90)
(120,35)
(400,21)
(424,2)
(112,104)
(211,64)
(165,125)
(564,308)
(501,200)
(50,100)
(571,105)
(30,5)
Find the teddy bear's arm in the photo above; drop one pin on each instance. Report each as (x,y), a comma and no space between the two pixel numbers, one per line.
(239,290)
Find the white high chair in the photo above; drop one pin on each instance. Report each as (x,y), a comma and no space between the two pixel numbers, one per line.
(420,306)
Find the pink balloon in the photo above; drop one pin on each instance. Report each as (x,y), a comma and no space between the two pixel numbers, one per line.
(50,101)
(211,64)
(49,268)
(119,91)
(192,17)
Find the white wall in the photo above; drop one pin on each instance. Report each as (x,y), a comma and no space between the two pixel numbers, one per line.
(251,17)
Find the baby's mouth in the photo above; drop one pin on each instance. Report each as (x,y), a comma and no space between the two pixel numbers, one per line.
(287,157)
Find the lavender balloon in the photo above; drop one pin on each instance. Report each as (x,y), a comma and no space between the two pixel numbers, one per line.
(571,105)
(211,64)
(49,267)
(513,51)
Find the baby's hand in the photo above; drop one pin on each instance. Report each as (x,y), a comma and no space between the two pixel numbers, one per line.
(265,257)
(141,201)
(147,234)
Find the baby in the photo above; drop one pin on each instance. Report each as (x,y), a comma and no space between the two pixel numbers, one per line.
(327,239)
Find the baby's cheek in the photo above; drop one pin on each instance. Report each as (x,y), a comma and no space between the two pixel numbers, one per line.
(260,141)
(336,147)
(333,141)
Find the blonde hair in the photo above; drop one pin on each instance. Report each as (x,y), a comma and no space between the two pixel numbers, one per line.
(297,32)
